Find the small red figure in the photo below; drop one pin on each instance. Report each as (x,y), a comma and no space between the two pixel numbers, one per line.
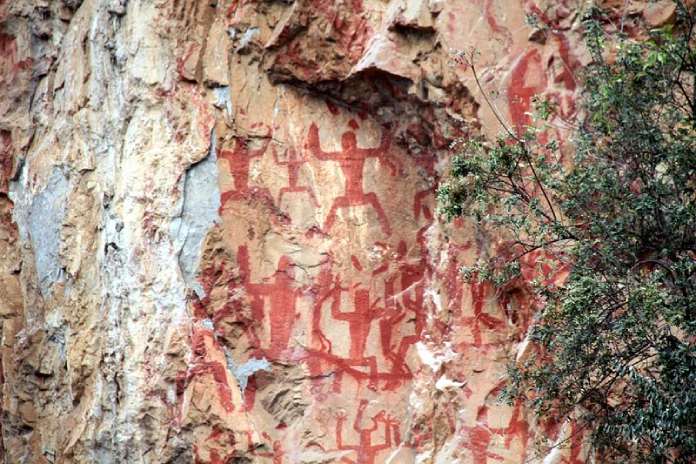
(365,451)
(238,159)
(282,297)
(480,437)
(293,161)
(359,323)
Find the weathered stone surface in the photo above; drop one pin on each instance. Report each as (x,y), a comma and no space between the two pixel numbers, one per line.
(660,13)
(218,236)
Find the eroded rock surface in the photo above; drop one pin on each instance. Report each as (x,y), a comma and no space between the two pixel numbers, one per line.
(218,238)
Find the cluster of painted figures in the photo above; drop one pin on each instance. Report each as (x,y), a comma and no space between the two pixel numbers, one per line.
(392,311)
(379,323)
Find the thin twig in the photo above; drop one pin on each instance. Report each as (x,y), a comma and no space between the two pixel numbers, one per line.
(511,134)
(488,101)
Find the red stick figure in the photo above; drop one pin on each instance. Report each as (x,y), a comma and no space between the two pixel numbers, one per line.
(490,16)
(201,365)
(359,323)
(234,309)
(519,93)
(419,200)
(329,288)
(365,451)
(409,299)
(218,441)
(322,290)
(478,294)
(352,162)
(325,288)
(238,159)
(517,427)
(396,314)
(480,437)
(281,295)
(293,161)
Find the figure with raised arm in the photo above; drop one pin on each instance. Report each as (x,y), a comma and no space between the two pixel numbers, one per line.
(352,159)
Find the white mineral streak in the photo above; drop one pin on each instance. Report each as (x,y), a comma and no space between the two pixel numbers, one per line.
(444,383)
(435,357)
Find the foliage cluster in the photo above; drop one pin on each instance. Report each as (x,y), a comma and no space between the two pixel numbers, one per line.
(616,339)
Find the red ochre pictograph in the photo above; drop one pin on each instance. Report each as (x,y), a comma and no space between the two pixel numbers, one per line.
(480,436)
(454,284)
(238,159)
(381,321)
(360,323)
(520,92)
(275,455)
(219,438)
(389,310)
(368,314)
(203,338)
(404,297)
(487,9)
(556,78)
(480,291)
(365,450)
(281,293)
(576,441)
(293,160)
(352,159)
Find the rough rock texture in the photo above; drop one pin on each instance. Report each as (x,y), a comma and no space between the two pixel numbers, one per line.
(218,239)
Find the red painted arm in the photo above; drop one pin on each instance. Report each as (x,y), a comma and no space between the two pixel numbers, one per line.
(359,416)
(276,158)
(336,313)
(382,152)
(387,438)
(340,420)
(314,145)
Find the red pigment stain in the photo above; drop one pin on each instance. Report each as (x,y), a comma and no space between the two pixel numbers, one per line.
(410,279)
(333,108)
(282,296)
(201,366)
(480,437)
(360,320)
(492,21)
(356,263)
(479,290)
(6,157)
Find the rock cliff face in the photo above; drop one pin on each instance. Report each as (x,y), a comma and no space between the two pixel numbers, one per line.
(218,237)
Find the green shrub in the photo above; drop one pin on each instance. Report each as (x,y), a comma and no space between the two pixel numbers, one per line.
(617,337)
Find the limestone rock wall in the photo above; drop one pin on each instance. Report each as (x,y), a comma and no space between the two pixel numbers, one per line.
(218,237)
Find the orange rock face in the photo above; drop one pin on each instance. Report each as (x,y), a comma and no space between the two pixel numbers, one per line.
(218,231)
